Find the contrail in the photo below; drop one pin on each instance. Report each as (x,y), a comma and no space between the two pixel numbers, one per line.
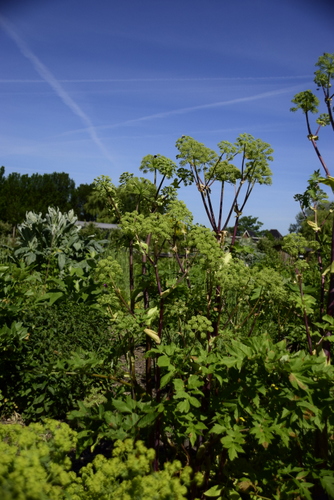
(153,80)
(182,111)
(218,104)
(48,77)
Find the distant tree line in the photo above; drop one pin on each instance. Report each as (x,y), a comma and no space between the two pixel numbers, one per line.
(23,193)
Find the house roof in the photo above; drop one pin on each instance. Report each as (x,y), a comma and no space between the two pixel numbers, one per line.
(100,225)
(275,233)
(249,233)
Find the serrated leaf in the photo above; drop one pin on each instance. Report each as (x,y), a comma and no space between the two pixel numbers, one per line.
(121,406)
(183,406)
(51,296)
(327,482)
(194,382)
(218,429)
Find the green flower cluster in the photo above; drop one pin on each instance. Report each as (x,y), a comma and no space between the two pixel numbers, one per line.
(108,272)
(33,461)
(199,327)
(34,465)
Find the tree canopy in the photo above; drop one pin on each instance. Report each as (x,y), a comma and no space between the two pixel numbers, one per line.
(22,193)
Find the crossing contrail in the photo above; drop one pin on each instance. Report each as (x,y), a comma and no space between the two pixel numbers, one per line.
(212,105)
(160,80)
(191,109)
(48,77)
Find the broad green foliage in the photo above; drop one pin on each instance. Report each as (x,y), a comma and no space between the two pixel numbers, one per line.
(34,465)
(247,420)
(52,239)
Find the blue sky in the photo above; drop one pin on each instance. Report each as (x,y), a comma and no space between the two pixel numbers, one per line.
(90,87)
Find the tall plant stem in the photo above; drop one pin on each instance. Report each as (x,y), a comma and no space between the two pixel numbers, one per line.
(148,347)
(330,305)
(233,204)
(131,276)
(308,335)
(315,146)
(221,207)
(328,102)
(208,208)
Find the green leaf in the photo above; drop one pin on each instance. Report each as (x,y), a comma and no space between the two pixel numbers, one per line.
(39,399)
(166,378)
(194,382)
(218,429)
(178,384)
(61,261)
(215,491)
(183,406)
(194,402)
(327,482)
(163,361)
(147,420)
(165,293)
(329,269)
(328,181)
(121,406)
(297,381)
(51,296)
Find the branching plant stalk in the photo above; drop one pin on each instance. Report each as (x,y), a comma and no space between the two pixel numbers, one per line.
(307,328)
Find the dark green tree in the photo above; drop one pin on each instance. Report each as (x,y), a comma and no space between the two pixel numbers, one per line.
(14,198)
(79,202)
(23,193)
(248,223)
(51,190)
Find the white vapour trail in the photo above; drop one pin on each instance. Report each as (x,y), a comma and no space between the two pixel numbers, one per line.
(218,104)
(158,80)
(48,77)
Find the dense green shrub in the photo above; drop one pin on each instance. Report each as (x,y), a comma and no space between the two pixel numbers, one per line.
(68,325)
(47,370)
(254,422)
